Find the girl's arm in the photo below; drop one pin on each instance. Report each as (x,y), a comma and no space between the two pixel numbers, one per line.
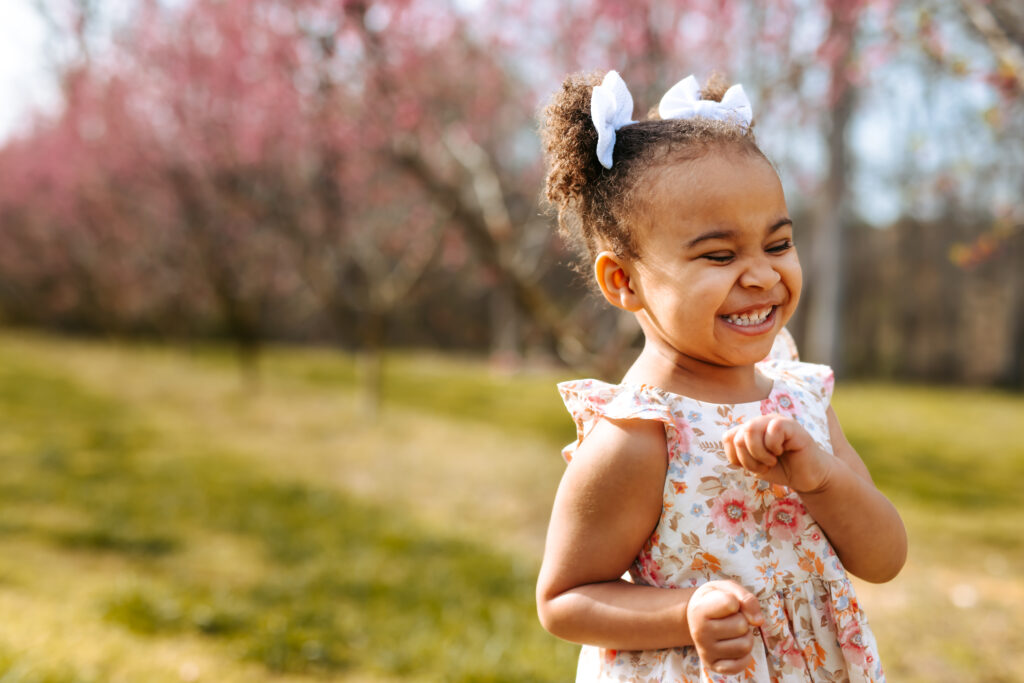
(863,526)
(608,504)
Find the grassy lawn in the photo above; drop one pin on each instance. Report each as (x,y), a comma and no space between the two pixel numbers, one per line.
(161,521)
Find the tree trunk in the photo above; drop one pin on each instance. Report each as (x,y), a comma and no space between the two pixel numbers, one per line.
(371,362)
(528,295)
(823,329)
(505,332)
(248,353)
(1013,373)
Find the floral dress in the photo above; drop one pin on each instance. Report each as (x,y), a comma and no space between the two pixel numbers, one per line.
(718,522)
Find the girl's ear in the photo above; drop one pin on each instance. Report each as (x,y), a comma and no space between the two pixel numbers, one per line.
(615,282)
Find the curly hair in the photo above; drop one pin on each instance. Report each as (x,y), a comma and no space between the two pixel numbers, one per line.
(595,205)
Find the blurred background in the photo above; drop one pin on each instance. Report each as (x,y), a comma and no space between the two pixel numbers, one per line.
(281,314)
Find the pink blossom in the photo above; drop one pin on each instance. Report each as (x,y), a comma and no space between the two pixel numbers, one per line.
(781,403)
(732,512)
(790,652)
(851,639)
(785,520)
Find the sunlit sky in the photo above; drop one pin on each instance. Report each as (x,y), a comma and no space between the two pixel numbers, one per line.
(23,76)
(26,83)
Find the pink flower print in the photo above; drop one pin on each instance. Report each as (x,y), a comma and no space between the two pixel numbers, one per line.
(852,641)
(785,520)
(781,403)
(683,435)
(649,569)
(646,565)
(829,384)
(732,512)
(791,653)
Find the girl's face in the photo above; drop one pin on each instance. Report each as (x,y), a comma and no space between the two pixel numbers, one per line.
(718,274)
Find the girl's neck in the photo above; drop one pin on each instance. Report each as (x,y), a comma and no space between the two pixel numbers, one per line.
(674,372)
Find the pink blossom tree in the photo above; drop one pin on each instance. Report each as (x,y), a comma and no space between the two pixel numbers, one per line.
(228,165)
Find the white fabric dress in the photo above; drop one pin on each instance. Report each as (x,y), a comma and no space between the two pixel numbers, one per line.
(722,523)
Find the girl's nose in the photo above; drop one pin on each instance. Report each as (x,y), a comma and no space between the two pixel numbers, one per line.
(759,274)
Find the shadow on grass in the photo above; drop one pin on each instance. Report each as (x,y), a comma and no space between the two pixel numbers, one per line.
(339,585)
(330,586)
(13,670)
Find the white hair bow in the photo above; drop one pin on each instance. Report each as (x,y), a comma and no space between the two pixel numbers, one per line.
(682,101)
(611,107)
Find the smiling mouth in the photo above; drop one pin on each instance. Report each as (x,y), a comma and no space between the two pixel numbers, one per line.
(750,318)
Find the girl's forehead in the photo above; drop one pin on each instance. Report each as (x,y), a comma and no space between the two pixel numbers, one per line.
(735,190)
(715,171)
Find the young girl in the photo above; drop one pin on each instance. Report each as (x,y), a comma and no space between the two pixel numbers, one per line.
(721,481)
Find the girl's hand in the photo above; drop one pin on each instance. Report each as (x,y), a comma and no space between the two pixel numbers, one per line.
(720,615)
(777,449)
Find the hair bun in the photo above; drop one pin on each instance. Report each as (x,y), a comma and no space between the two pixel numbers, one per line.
(570,139)
(600,208)
(714,88)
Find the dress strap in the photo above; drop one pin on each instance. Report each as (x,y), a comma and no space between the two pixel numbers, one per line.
(803,390)
(816,381)
(784,347)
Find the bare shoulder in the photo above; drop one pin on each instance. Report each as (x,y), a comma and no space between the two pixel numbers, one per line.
(621,457)
(627,440)
(608,503)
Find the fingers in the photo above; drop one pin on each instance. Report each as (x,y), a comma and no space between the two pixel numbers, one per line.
(727,630)
(737,648)
(759,445)
(746,446)
(729,444)
(775,434)
(730,666)
(751,610)
(733,598)
(755,449)
(737,450)
(720,610)
(720,599)
(721,614)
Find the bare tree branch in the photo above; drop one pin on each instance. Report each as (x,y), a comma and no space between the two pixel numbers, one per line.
(1009,54)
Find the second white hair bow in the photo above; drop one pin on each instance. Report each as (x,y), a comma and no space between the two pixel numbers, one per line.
(682,101)
(611,107)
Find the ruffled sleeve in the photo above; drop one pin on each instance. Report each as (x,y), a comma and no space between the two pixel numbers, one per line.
(818,380)
(589,400)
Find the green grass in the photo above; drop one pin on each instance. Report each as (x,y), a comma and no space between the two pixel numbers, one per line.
(161,512)
(343,585)
(945,448)
(453,386)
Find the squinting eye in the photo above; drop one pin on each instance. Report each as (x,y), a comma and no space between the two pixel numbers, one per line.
(780,247)
(718,257)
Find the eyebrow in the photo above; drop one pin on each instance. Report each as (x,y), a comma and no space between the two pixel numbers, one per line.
(726,234)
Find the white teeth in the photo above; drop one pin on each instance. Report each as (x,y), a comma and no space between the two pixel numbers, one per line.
(749,318)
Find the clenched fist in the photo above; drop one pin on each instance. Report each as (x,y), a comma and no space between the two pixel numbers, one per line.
(778,449)
(721,616)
